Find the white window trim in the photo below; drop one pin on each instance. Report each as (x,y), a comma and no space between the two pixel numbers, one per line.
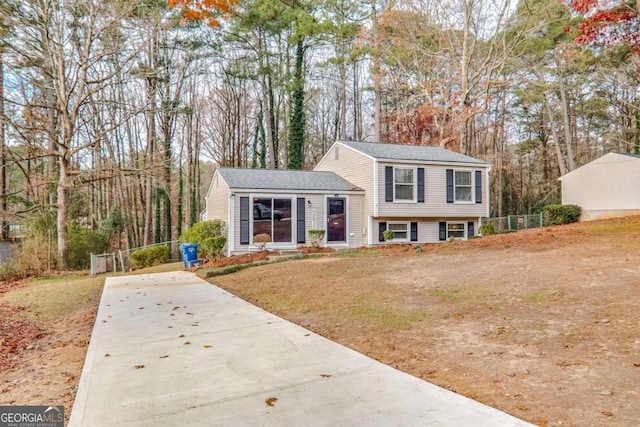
(276,245)
(464,202)
(464,225)
(415,185)
(408,225)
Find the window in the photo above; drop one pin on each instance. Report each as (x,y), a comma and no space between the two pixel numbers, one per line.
(400,230)
(273,217)
(403,184)
(455,230)
(462,186)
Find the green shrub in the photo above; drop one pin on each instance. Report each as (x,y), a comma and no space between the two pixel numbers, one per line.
(388,235)
(561,214)
(201,231)
(487,229)
(221,271)
(212,247)
(148,257)
(316,237)
(82,242)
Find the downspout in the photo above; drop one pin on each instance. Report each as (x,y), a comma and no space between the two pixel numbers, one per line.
(375,188)
(231,228)
(376,198)
(363,230)
(488,198)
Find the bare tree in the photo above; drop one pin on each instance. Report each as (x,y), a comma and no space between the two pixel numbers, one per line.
(63,44)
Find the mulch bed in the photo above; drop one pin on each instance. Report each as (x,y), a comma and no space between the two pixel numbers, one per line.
(237,259)
(258,256)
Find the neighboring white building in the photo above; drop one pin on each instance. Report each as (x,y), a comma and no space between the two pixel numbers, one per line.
(356,192)
(604,188)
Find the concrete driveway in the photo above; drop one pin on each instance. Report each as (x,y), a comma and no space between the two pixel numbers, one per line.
(170,349)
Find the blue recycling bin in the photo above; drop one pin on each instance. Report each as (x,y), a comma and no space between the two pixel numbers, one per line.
(189,253)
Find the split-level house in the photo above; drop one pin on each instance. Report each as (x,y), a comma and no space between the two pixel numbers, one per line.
(356,192)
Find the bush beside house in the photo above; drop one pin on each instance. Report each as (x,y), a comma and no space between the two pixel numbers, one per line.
(561,214)
(208,235)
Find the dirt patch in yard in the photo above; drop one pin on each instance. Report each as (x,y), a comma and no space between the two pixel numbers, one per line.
(542,323)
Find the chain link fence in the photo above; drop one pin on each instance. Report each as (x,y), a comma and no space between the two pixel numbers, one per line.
(515,222)
(124,257)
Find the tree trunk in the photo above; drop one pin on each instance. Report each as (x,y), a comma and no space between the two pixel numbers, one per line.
(4,227)
(554,134)
(166,191)
(180,212)
(377,78)
(357,105)
(152,84)
(63,210)
(567,124)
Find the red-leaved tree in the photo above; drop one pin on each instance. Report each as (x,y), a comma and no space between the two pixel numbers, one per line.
(606,22)
(211,12)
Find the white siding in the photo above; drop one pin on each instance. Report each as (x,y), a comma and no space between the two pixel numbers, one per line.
(315,218)
(435,195)
(428,230)
(218,199)
(353,166)
(357,226)
(606,187)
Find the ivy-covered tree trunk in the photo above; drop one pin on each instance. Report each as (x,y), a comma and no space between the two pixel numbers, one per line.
(295,149)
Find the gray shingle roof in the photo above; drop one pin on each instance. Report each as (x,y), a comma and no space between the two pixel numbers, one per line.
(277,179)
(637,156)
(420,153)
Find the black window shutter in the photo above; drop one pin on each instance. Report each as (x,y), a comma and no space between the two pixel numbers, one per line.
(381,229)
(420,185)
(388,183)
(470,229)
(244,220)
(478,186)
(443,230)
(300,220)
(414,231)
(449,186)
